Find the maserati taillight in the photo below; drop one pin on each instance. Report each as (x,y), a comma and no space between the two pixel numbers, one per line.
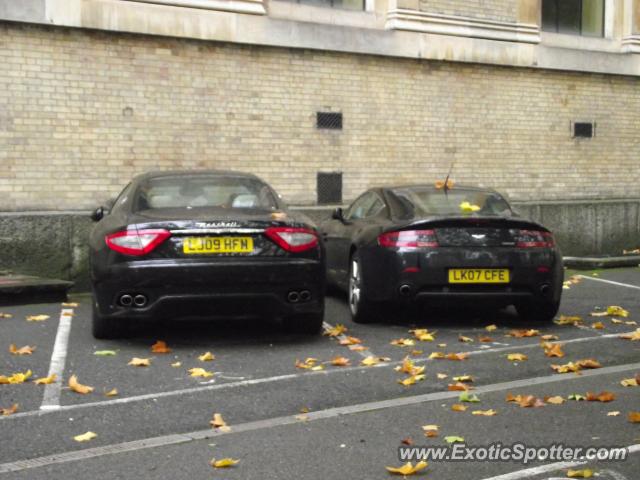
(409,239)
(136,242)
(293,239)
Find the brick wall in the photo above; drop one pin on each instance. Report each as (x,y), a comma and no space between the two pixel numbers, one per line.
(81,112)
(502,10)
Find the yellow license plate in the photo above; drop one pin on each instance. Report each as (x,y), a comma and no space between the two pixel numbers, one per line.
(193,245)
(479,275)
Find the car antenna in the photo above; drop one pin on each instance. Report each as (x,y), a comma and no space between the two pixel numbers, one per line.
(446,180)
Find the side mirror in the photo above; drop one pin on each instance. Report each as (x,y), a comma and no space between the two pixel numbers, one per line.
(98,214)
(338,214)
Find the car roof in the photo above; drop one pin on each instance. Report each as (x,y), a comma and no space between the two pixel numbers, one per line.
(185,173)
(432,186)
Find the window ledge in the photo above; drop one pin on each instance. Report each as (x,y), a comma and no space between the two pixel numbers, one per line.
(239,6)
(580,42)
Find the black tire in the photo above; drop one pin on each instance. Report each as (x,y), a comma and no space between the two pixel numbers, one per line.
(105,328)
(540,312)
(362,309)
(304,323)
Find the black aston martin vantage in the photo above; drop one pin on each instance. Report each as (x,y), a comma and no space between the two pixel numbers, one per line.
(204,244)
(441,245)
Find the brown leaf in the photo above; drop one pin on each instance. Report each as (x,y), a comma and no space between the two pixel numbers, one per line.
(485,339)
(349,341)
(458,407)
(600,397)
(9,411)
(77,387)
(523,333)
(634,417)
(340,361)
(160,347)
(553,350)
(456,356)
(407,441)
(597,325)
(458,387)
(26,350)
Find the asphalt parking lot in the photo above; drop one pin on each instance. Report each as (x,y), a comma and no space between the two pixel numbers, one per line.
(332,422)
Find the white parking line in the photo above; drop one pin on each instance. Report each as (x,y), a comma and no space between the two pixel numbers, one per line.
(611,282)
(174,439)
(279,378)
(363,353)
(51,397)
(552,467)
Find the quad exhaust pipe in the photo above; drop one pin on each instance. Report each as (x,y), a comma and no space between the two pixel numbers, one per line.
(405,290)
(545,289)
(129,300)
(299,296)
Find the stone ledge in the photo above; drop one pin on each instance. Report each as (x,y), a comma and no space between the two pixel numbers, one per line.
(255,7)
(590,263)
(416,21)
(631,44)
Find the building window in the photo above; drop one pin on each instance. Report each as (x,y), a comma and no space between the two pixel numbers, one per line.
(574,17)
(345,4)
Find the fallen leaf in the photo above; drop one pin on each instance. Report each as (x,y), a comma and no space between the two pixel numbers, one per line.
(600,397)
(357,348)
(614,413)
(408,468)
(160,347)
(430,430)
(372,360)
(218,423)
(411,380)
(615,321)
(415,353)
(111,393)
(407,441)
(634,417)
(617,311)
(633,336)
(523,333)
(176,364)
(491,328)
(423,334)
(26,350)
(37,318)
(409,368)
(437,355)
(598,325)
(5,412)
(517,357)
(566,368)
(553,350)
(349,341)
(484,413)
(207,357)
(340,361)
(85,437)
(576,397)
(585,473)
(598,314)
(308,363)
(568,320)
(104,353)
(5,315)
(462,338)
(441,183)
(78,387)
(463,378)
(589,363)
(139,362)
(302,417)
(403,342)
(454,439)
(46,380)
(457,356)
(442,376)
(557,400)
(442,345)
(456,407)
(223,463)
(484,339)
(339,329)
(631,322)
(199,372)
(458,387)
(70,304)
(530,401)
(548,338)
(631,382)
(466,397)
(16,378)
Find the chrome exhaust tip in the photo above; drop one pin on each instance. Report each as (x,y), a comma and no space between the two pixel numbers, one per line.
(405,290)
(293,297)
(305,295)
(140,301)
(126,300)
(545,289)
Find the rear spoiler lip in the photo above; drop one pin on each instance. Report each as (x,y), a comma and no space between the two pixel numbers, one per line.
(518,222)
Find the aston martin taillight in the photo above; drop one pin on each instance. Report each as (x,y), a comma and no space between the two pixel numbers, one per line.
(409,239)
(534,239)
(293,239)
(136,242)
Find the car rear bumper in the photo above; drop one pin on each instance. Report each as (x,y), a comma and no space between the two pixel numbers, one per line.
(233,288)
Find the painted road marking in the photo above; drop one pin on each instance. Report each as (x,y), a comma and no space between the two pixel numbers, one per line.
(363,353)
(174,439)
(51,397)
(278,378)
(611,282)
(552,467)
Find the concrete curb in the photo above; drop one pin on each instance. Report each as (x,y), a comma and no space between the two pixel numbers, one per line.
(590,263)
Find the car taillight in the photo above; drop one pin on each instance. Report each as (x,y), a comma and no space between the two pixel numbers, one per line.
(534,239)
(293,239)
(136,242)
(408,239)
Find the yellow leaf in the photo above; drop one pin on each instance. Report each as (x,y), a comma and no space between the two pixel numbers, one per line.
(442,345)
(568,320)
(615,321)
(633,336)
(46,380)
(411,380)
(517,357)
(615,413)
(634,417)
(37,318)
(548,338)
(457,407)
(523,333)
(70,305)
(557,400)
(456,356)
(340,361)
(463,378)
(26,350)
(441,376)
(462,338)
(5,315)
(597,326)
(347,340)
(85,437)
(409,368)
(467,207)
(77,387)
(484,413)
(585,473)
(218,423)
(630,382)
(176,364)
(616,311)
(428,428)
(408,468)
(160,347)
(437,355)
(139,362)
(317,367)
(111,393)
(5,412)
(224,463)
(553,350)
(372,360)
(206,357)
(423,334)
(16,378)
(336,331)
(199,372)
(491,328)
(403,342)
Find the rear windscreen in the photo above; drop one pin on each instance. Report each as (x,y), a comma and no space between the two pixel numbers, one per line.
(429,201)
(202,191)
